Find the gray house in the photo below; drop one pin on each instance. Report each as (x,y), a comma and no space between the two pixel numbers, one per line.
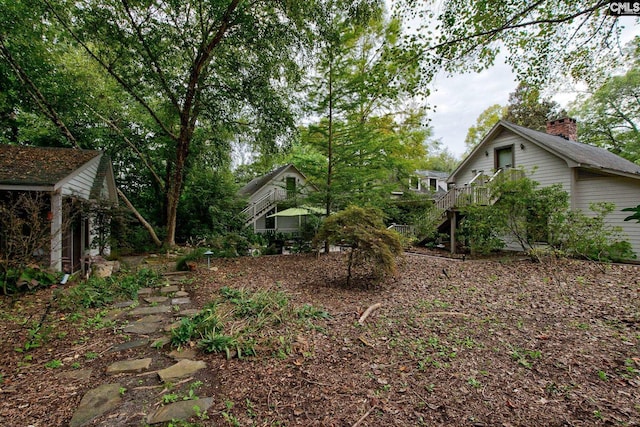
(266,195)
(587,173)
(63,176)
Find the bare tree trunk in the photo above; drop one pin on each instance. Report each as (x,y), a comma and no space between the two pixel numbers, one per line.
(330,155)
(144,222)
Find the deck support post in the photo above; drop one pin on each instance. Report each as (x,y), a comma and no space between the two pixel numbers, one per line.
(453,221)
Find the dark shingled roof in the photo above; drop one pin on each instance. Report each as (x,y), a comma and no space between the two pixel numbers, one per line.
(584,154)
(41,166)
(431,173)
(257,183)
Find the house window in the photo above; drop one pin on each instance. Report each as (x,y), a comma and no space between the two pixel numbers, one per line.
(433,184)
(414,183)
(291,187)
(504,158)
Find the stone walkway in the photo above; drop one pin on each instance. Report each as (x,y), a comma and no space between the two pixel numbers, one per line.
(150,320)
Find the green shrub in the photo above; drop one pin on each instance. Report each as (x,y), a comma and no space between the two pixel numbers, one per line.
(373,247)
(99,292)
(591,237)
(195,255)
(15,280)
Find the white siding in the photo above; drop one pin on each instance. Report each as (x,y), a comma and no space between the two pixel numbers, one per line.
(539,164)
(81,183)
(624,192)
(279,183)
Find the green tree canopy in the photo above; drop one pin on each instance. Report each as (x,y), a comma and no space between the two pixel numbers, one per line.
(609,116)
(366,138)
(527,108)
(185,73)
(485,121)
(543,41)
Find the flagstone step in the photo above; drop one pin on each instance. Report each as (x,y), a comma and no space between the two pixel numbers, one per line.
(95,403)
(169,289)
(143,311)
(154,300)
(183,368)
(128,366)
(180,410)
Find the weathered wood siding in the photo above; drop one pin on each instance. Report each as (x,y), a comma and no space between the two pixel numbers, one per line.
(623,192)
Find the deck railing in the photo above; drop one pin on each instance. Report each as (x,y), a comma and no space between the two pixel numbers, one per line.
(476,192)
(402,229)
(263,204)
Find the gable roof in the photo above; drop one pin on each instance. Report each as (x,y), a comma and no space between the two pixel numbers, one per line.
(40,166)
(257,183)
(576,154)
(432,174)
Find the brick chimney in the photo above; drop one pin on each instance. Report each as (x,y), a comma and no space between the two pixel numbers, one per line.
(565,128)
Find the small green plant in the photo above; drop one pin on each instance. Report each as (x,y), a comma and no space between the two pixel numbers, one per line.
(230,419)
(308,311)
(200,413)
(215,342)
(474,382)
(99,321)
(251,411)
(170,398)
(603,375)
(202,323)
(36,336)
(525,357)
(191,394)
(122,391)
(75,365)
(53,364)
(90,355)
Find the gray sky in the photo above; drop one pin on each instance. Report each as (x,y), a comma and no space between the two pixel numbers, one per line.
(460,99)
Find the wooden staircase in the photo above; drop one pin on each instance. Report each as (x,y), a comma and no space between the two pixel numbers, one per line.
(475,192)
(263,205)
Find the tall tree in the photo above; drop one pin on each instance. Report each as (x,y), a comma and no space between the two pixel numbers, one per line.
(527,108)
(609,116)
(484,123)
(193,68)
(367,137)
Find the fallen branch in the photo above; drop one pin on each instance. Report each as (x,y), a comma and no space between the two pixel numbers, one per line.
(144,222)
(364,416)
(368,311)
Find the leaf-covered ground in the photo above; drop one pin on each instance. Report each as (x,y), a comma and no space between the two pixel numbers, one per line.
(502,342)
